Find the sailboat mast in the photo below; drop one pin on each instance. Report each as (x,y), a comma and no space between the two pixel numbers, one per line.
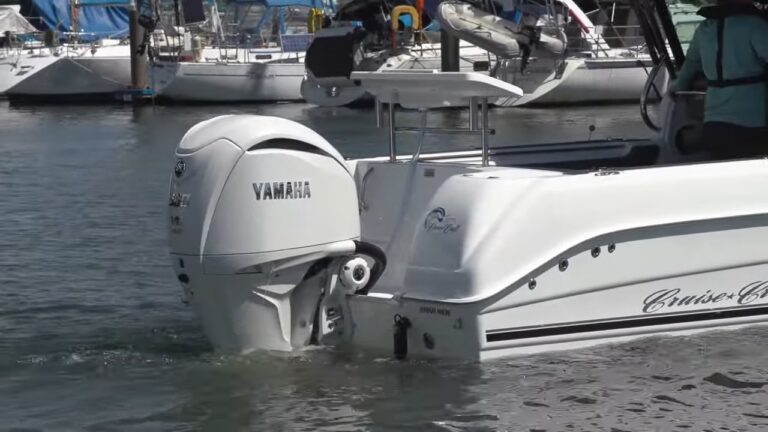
(73,17)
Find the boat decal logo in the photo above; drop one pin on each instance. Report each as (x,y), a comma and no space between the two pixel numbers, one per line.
(179,168)
(437,221)
(675,298)
(179,200)
(435,311)
(282,190)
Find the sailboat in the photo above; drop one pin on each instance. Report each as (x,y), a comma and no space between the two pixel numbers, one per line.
(370,35)
(13,27)
(82,56)
(247,65)
(551,49)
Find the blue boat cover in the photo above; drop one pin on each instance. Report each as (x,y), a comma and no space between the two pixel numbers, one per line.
(95,22)
(362,10)
(285,3)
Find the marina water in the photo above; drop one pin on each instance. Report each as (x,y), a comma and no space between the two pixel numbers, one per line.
(93,335)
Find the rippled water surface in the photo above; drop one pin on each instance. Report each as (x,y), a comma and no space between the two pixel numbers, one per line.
(93,335)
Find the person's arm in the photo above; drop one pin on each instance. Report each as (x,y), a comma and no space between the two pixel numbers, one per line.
(691,67)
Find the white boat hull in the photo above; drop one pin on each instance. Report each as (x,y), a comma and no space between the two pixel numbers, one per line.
(564,315)
(16,66)
(606,277)
(228,82)
(580,81)
(73,75)
(617,284)
(425,57)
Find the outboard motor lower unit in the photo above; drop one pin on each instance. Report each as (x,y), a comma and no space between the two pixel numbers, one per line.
(260,208)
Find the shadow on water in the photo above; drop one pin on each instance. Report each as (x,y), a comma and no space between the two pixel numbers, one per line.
(315,390)
(655,381)
(174,381)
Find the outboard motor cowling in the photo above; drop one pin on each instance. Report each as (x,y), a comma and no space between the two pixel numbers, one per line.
(259,208)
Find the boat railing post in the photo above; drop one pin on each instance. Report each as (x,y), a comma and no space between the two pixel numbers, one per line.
(504,68)
(484,130)
(392,143)
(473,113)
(379,114)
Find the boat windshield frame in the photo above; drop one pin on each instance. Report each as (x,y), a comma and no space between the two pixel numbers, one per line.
(660,34)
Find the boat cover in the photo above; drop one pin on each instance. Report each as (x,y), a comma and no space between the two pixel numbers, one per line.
(485,30)
(365,10)
(12,21)
(493,33)
(96,22)
(318,4)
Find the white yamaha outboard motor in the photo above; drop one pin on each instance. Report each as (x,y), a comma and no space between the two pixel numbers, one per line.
(263,211)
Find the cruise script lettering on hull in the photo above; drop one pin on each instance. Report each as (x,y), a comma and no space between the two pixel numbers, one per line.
(672,298)
(660,309)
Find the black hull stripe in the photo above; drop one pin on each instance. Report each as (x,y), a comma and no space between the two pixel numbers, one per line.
(575,328)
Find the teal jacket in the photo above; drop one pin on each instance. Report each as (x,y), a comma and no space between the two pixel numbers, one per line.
(745,54)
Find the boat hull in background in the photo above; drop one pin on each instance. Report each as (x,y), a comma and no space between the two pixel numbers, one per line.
(580,81)
(423,57)
(227,82)
(90,76)
(17,66)
(577,81)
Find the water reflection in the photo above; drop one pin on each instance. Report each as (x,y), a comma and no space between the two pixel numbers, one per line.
(352,392)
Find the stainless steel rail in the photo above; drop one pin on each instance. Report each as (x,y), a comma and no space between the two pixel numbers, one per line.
(482,130)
